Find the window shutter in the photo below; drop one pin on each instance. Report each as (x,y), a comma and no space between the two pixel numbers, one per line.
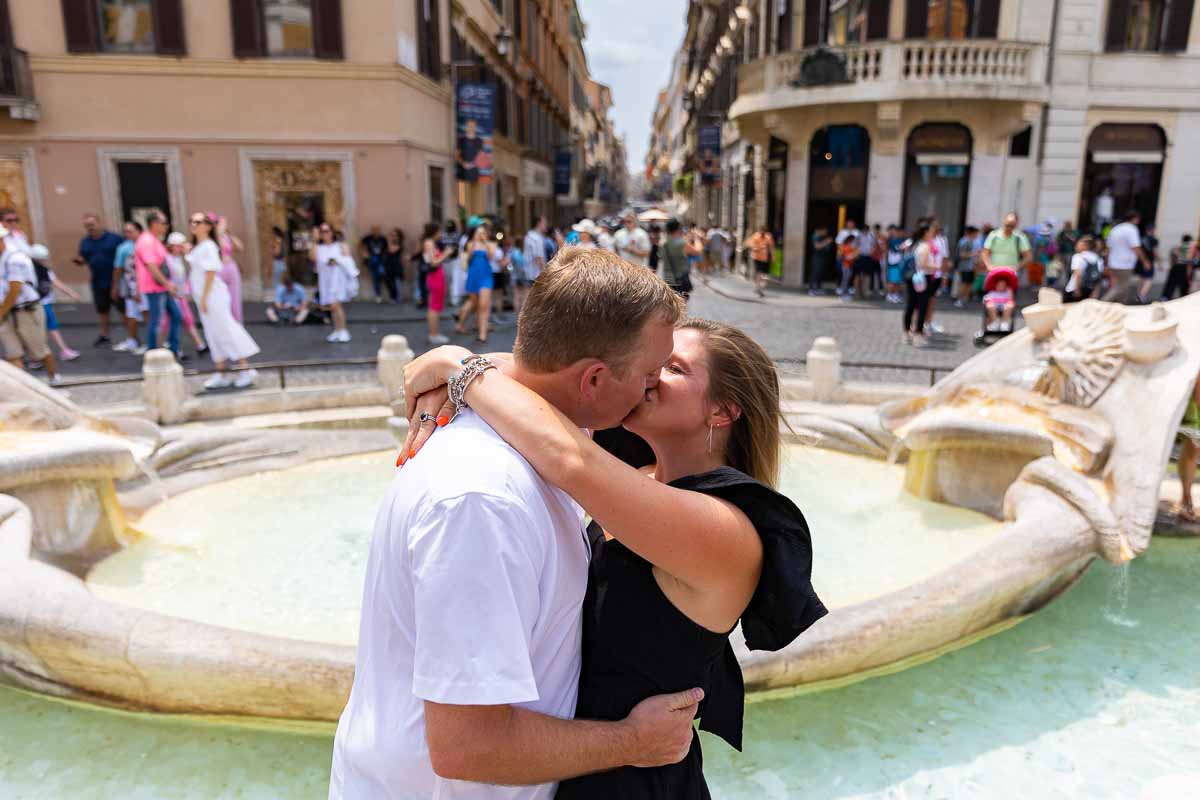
(1118,26)
(987,19)
(878,15)
(327,29)
(249,37)
(1177,25)
(168,27)
(916,19)
(81,20)
(812,22)
(6,37)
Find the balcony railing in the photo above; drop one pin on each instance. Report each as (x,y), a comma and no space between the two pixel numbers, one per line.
(911,62)
(16,84)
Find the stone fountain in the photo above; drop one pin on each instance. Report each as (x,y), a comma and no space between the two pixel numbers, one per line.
(1061,430)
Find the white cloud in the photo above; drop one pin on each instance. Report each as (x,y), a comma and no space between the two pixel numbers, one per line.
(630,45)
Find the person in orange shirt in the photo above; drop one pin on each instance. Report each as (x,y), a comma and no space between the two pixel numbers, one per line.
(762,247)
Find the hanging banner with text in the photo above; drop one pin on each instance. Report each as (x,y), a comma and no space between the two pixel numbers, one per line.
(476,103)
(562,172)
(709,137)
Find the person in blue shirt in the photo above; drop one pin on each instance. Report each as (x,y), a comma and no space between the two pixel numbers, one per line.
(290,304)
(97,251)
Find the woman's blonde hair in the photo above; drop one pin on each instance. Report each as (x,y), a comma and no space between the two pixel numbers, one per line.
(743,377)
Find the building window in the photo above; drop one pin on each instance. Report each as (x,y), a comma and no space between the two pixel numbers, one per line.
(429,39)
(1148,25)
(846,22)
(437,192)
(838,23)
(289,28)
(952,19)
(126,26)
(1021,144)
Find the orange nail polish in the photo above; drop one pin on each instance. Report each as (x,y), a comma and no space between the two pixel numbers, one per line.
(443,420)
(400,460)
(412,453)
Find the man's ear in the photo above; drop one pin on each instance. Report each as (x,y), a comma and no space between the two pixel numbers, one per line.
(592,380)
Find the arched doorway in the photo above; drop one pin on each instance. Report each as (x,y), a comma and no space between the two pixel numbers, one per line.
(1123,173)
(937,174)
(839,159)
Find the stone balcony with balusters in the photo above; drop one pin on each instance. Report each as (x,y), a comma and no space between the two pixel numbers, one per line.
(893,71)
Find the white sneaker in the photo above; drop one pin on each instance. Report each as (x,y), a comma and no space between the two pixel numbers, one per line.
(246,378)
(217,381)
(139,350)
(125,346)
(438,339)
(56,380)
(334,337)
(344,337)
(936,328)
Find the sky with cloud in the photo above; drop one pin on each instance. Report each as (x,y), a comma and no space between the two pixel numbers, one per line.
(629,45)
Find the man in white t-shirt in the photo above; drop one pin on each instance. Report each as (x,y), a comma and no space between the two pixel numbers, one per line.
(469,647)
(845,233)
(1124,252)
(632,243)
(22,315)
(534,250)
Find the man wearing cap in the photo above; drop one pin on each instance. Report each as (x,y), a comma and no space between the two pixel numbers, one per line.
(22,317)
(633,243)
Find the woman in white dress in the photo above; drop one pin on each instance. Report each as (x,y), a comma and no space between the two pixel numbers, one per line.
(227,339)
(337,279)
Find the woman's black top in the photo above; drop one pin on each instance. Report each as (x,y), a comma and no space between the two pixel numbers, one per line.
(637,644)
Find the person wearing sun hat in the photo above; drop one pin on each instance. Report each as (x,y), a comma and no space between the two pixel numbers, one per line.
(587,231)
(22,316)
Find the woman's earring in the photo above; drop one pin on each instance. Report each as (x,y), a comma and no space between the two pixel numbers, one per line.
(710,430)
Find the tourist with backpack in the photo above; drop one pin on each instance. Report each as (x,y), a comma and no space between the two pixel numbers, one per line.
(919,272)
(1087,271)
(22,316)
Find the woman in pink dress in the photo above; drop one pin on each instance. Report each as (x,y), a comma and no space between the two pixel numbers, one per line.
(230,272)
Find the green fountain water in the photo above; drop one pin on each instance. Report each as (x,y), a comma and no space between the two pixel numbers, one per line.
(1067,704)
(284,553)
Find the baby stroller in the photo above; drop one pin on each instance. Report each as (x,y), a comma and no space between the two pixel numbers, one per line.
(990,334)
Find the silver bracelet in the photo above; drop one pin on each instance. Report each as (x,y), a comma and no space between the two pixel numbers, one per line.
(473,367)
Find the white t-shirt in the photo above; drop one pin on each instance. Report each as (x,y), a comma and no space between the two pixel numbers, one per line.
(939,252)
(473,596)
(16,266)
(604,241)
(844,234)
(637,238)
(534,253)
(1122,240)
(1079,265)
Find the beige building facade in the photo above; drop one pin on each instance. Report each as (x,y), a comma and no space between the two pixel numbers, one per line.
(885,111)
(272,113)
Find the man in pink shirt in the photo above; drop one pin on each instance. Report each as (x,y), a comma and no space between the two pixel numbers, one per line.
(149,256)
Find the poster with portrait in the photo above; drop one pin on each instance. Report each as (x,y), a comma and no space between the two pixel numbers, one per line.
(476,103)
(709,137)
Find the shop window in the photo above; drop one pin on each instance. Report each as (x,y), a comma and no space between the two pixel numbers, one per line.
(952,19)
(1148,26)
(1021,144)
(289,28)
(124,26)
(437,193)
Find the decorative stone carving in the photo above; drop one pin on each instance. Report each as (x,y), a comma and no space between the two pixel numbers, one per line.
(1152,340)
(824,363)
(1043,317)
(1085,354)
(163,389)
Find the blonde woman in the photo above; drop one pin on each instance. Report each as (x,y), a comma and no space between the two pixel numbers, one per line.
(479,254)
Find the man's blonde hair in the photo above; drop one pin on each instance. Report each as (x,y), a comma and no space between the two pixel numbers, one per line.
(589,303)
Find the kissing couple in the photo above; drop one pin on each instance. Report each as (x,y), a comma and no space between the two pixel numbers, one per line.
(509,648)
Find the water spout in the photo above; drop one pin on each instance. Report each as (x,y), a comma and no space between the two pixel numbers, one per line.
(1126,551)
